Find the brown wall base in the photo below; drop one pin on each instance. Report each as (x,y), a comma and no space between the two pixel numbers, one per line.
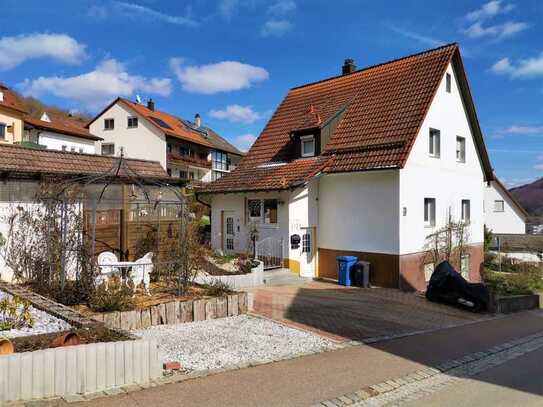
(394,271)
(383,270)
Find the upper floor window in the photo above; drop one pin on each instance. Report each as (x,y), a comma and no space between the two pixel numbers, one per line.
(2,131)
(132,122)
(448,84)
(434,144)
(461,149)
(64,148)
(109,124)
(499,206)
(466,215)
(307,146)
(108,149)
(429,211)
(219,160)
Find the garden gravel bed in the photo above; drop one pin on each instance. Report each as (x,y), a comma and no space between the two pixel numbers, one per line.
(44,323)
(225,342)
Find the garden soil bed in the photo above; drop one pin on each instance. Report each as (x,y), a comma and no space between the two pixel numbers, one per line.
(87,335)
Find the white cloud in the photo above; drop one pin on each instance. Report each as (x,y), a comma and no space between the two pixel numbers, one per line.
(489,10)
(525,68)
(282,7)
(59,47)
(245,141)
(433,42)
(276,28)
(236,114)
(93,89)
(525,130)
(498,31)
(135,10)
(223,76)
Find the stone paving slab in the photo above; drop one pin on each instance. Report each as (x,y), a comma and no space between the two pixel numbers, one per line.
(355,314)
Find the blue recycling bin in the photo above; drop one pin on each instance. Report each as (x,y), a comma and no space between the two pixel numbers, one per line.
(344,267)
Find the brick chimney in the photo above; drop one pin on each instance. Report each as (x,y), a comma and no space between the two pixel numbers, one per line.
(348,66)
(151,105)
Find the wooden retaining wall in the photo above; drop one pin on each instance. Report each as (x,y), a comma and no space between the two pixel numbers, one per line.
(177,312)
(78,369)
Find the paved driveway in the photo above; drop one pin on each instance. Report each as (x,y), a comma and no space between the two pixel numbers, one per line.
(343,313)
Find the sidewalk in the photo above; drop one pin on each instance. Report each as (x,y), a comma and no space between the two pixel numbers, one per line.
(304,381)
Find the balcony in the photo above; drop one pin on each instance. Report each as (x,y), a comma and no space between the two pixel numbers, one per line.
(183,160)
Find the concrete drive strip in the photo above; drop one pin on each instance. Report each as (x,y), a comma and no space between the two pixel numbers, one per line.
(423,382)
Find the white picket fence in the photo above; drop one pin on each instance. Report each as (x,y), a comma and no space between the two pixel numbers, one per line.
(78,369)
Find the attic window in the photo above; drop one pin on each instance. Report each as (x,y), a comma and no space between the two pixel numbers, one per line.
(448,80)
(307,146)
(109,124)
(132,122)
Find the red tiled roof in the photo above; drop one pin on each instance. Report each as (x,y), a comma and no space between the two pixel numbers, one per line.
(382,108)
(10,100)
(63,125)
(28,161)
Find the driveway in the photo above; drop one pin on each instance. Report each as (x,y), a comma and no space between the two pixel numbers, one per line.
(344,313)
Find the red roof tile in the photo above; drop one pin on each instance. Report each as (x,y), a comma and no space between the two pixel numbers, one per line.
(10,100)
(382,108)
(21,160)
(64,125)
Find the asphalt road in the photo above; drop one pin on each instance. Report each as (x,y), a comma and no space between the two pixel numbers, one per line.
(518,382)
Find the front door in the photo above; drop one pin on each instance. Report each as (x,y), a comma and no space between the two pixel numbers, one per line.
(307,266)
(229,232)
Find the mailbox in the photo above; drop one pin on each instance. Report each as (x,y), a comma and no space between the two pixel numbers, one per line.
(295,241)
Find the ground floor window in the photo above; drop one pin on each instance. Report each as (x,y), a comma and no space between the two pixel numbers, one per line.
(465,266)
(306,243)
(262,210)
(429,211)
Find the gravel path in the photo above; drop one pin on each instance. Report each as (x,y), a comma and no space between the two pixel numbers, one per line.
(225,342)
(43,323)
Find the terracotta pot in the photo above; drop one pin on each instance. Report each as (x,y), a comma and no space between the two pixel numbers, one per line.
(66,339)
(6,346)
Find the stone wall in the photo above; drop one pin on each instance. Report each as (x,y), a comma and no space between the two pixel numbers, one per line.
(177,312)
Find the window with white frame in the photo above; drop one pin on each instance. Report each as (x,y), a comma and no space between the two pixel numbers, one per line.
(132,122)
(465,266)
(108,149)
(434,147)
(429,211)
(448,81)
(109,124)
(428,270)
(307,146)
(263,210)
(460,149)
(306,243)
(499,206)
(466,209)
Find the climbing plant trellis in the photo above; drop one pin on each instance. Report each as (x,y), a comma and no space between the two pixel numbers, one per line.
(58,226)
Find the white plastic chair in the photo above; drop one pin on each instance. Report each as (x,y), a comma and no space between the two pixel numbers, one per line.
(104,259)
(141,272)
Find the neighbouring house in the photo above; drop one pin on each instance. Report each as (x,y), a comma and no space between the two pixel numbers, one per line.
(503,214)
(54,132)
(187,150)
(116,216)
(12,114)
(368,163)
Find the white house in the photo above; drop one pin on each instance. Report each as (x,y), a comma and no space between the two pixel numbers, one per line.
(369,164)
(185,149)
(503,214)
(59,133)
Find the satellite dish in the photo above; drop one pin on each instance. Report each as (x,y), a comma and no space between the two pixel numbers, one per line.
(138,99)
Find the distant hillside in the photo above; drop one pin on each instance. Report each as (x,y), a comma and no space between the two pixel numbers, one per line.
(530,196)
(35,108)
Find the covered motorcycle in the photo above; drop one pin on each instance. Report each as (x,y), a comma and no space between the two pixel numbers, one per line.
(449,287)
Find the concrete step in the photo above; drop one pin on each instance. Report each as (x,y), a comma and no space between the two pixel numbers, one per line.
(281,277)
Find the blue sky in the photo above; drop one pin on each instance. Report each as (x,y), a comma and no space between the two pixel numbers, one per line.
(233,61)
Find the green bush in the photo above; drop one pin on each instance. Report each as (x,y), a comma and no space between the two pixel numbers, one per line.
(113,296)
(526,282)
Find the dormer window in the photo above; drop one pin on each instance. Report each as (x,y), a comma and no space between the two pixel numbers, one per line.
(307,146)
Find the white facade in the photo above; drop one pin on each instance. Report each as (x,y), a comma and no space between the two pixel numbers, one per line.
(501,214)
(62,142)
(144,142)
(443,178)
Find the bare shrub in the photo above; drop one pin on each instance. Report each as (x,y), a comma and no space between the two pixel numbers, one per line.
(448,243)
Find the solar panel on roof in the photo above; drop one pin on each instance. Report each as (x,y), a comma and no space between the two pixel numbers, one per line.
(161,123)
